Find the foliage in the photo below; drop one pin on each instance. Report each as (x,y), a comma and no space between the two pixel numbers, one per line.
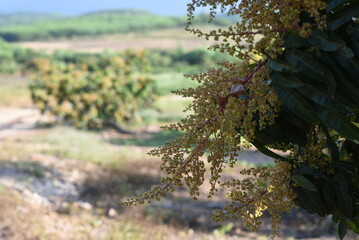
(25,18)
(13,59)
(296,91)
(94,92)
(92,24)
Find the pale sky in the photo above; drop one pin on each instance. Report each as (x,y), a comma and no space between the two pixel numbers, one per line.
(75,7)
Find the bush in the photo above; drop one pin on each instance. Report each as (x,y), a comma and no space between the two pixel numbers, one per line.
(95,92)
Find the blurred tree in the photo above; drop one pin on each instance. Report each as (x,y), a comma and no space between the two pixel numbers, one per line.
(93,92)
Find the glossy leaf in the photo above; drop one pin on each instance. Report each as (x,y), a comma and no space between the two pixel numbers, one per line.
(286,81)
(320,40)
(304,183)
(344,200)
(334,4)
(344,16)
(311,67)
(334,151)
(354,30)
(317,96)
(298,104)
(340,124)
(305,170)
(309,201)
(294,41)
(267,152)
(281,66)
(342,230)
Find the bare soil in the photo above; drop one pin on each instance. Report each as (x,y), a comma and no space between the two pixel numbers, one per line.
(48,197)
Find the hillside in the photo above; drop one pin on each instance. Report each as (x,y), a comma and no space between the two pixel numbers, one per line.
(25,18)
(91,24)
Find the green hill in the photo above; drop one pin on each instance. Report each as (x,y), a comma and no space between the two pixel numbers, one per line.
(91,24)
(26,18)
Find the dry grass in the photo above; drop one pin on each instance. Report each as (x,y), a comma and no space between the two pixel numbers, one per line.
(14,92)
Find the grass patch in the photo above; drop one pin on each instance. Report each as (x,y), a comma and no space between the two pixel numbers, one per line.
(67,142)
(14,92)
(166,109)
(154,140)
(167,82)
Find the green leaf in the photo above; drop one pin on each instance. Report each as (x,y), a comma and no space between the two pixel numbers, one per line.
(342,17)
(311,67)
(304,183)
(292,40)
(353,30)
(344,80)
(342,230)
(329,195)
(268,152)
(339,123)
(305,170)
(344,200)
(318,96)
(320,40)
(335,3)
(355,47)
(334,151)
(309,201)
(286,80)
(354,226)
(280,65)
(350,64)
(295,102)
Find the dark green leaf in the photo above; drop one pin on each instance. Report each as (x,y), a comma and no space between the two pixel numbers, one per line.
(320,40)
(305,170)
(342,17)
(355,47)
(340,124)
(354,30)
(329,196)
(318,96)
(310,201)
(280,66)
(286,80)
(298,104)
(304,183)
(350,64)
(311,67)
(346,52)
(344,200)
(335,3)
(334,151)
(342,230)
(268,152)
(292,40)
(344,80)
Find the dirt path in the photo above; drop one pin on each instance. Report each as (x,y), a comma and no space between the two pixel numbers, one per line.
(15,120)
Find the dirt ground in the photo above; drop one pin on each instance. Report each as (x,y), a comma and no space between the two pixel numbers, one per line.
(44,196)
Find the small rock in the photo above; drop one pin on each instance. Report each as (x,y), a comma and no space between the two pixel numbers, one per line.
(85,205)
(111,213)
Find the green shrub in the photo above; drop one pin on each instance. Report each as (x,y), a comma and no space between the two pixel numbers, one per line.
(94,92)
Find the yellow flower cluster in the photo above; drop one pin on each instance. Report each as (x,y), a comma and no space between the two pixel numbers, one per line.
(260,24)
(230,105)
